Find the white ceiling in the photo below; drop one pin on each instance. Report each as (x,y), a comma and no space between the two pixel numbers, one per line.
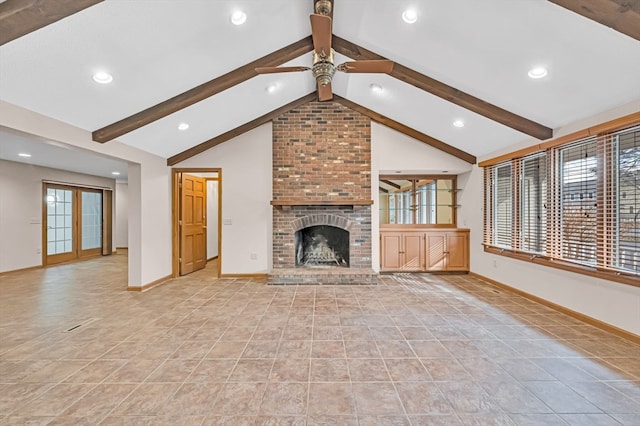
(159,49)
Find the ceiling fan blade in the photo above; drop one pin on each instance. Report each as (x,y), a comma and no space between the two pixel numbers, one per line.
(321,33)
(271,70)
(379,66)
(324,92)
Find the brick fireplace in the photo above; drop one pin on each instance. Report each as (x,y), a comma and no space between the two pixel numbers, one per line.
(322,186)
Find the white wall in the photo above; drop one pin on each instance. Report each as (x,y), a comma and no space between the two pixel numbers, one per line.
(610,302)
(122,216)
(21,210)
(149,190)
(246,192)
(212,218)
(393,151)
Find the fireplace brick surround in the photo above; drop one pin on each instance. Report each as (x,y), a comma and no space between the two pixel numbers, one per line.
(322,176)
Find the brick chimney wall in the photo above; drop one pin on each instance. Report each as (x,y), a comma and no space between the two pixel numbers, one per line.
(322,151)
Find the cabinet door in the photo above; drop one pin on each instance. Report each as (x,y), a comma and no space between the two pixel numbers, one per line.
(390,248)
(413,251)
(436,256)
(457,251)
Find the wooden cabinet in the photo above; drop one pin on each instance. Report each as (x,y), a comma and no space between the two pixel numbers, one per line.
(402,251)
(424,250)
(447,251)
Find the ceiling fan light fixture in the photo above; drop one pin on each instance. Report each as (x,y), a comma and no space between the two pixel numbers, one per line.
(238,17)
(323,72)
(410,16)
(102,77)
(323,7)
(537,72)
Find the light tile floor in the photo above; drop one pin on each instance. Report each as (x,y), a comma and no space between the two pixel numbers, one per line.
(76,348)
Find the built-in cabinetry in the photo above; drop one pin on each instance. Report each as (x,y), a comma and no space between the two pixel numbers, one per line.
(426,249)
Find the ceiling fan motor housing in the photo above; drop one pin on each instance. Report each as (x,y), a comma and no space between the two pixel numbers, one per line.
(323,68)
(323,7)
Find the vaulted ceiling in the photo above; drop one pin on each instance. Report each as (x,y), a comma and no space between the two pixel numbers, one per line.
(183,61)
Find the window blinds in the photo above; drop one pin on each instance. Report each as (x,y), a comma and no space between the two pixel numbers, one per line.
(577,202)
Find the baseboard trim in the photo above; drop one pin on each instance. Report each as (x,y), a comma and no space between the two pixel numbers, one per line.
(150,285)
(243,275)
(575,314)
(13,271)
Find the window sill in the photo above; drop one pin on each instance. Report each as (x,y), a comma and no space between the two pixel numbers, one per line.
(616,276)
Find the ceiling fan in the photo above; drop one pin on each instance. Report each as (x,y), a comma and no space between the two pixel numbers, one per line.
(323,67)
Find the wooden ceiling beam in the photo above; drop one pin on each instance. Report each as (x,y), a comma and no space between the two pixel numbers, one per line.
(438,144)
(621,15)
(388,182)
(21,17)
(171,161)
(203,91)
(447,92)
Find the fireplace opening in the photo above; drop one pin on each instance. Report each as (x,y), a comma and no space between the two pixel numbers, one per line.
(322,245)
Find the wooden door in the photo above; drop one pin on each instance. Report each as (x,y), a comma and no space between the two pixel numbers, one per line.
(193,225)
(390,248)
(436,248)
(413,252)
(457,256)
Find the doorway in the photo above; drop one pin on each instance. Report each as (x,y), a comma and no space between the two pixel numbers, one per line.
(76,222)
(197,203)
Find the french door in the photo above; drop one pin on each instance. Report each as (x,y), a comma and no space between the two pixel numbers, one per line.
(74,222)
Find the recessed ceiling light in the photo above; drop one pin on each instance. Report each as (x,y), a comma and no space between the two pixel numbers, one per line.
(376,88)
(24,154)
(183,126)
(238,17)
(272,88)
(458,123)
(409,16)
(115,173)
(102,77)
(537,72)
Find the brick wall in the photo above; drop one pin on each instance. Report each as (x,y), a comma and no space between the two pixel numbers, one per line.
(321,151)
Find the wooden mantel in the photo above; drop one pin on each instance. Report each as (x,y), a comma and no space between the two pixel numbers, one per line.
(334,202)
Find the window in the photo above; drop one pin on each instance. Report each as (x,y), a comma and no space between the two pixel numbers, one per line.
(627,192)
(503,211)
(420,199)
(533,187)
(579,209)
(576,202)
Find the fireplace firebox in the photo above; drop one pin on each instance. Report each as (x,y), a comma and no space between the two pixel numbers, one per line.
(322,245)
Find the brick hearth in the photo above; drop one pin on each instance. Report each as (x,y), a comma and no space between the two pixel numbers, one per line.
(322,168)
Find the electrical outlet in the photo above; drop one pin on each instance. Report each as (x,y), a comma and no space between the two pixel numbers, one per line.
(495,263)
(253,256)
(38,251)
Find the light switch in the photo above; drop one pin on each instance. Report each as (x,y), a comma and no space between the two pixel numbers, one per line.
(226,221)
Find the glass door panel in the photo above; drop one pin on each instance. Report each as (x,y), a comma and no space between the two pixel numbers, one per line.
(59,223)
(91,229)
